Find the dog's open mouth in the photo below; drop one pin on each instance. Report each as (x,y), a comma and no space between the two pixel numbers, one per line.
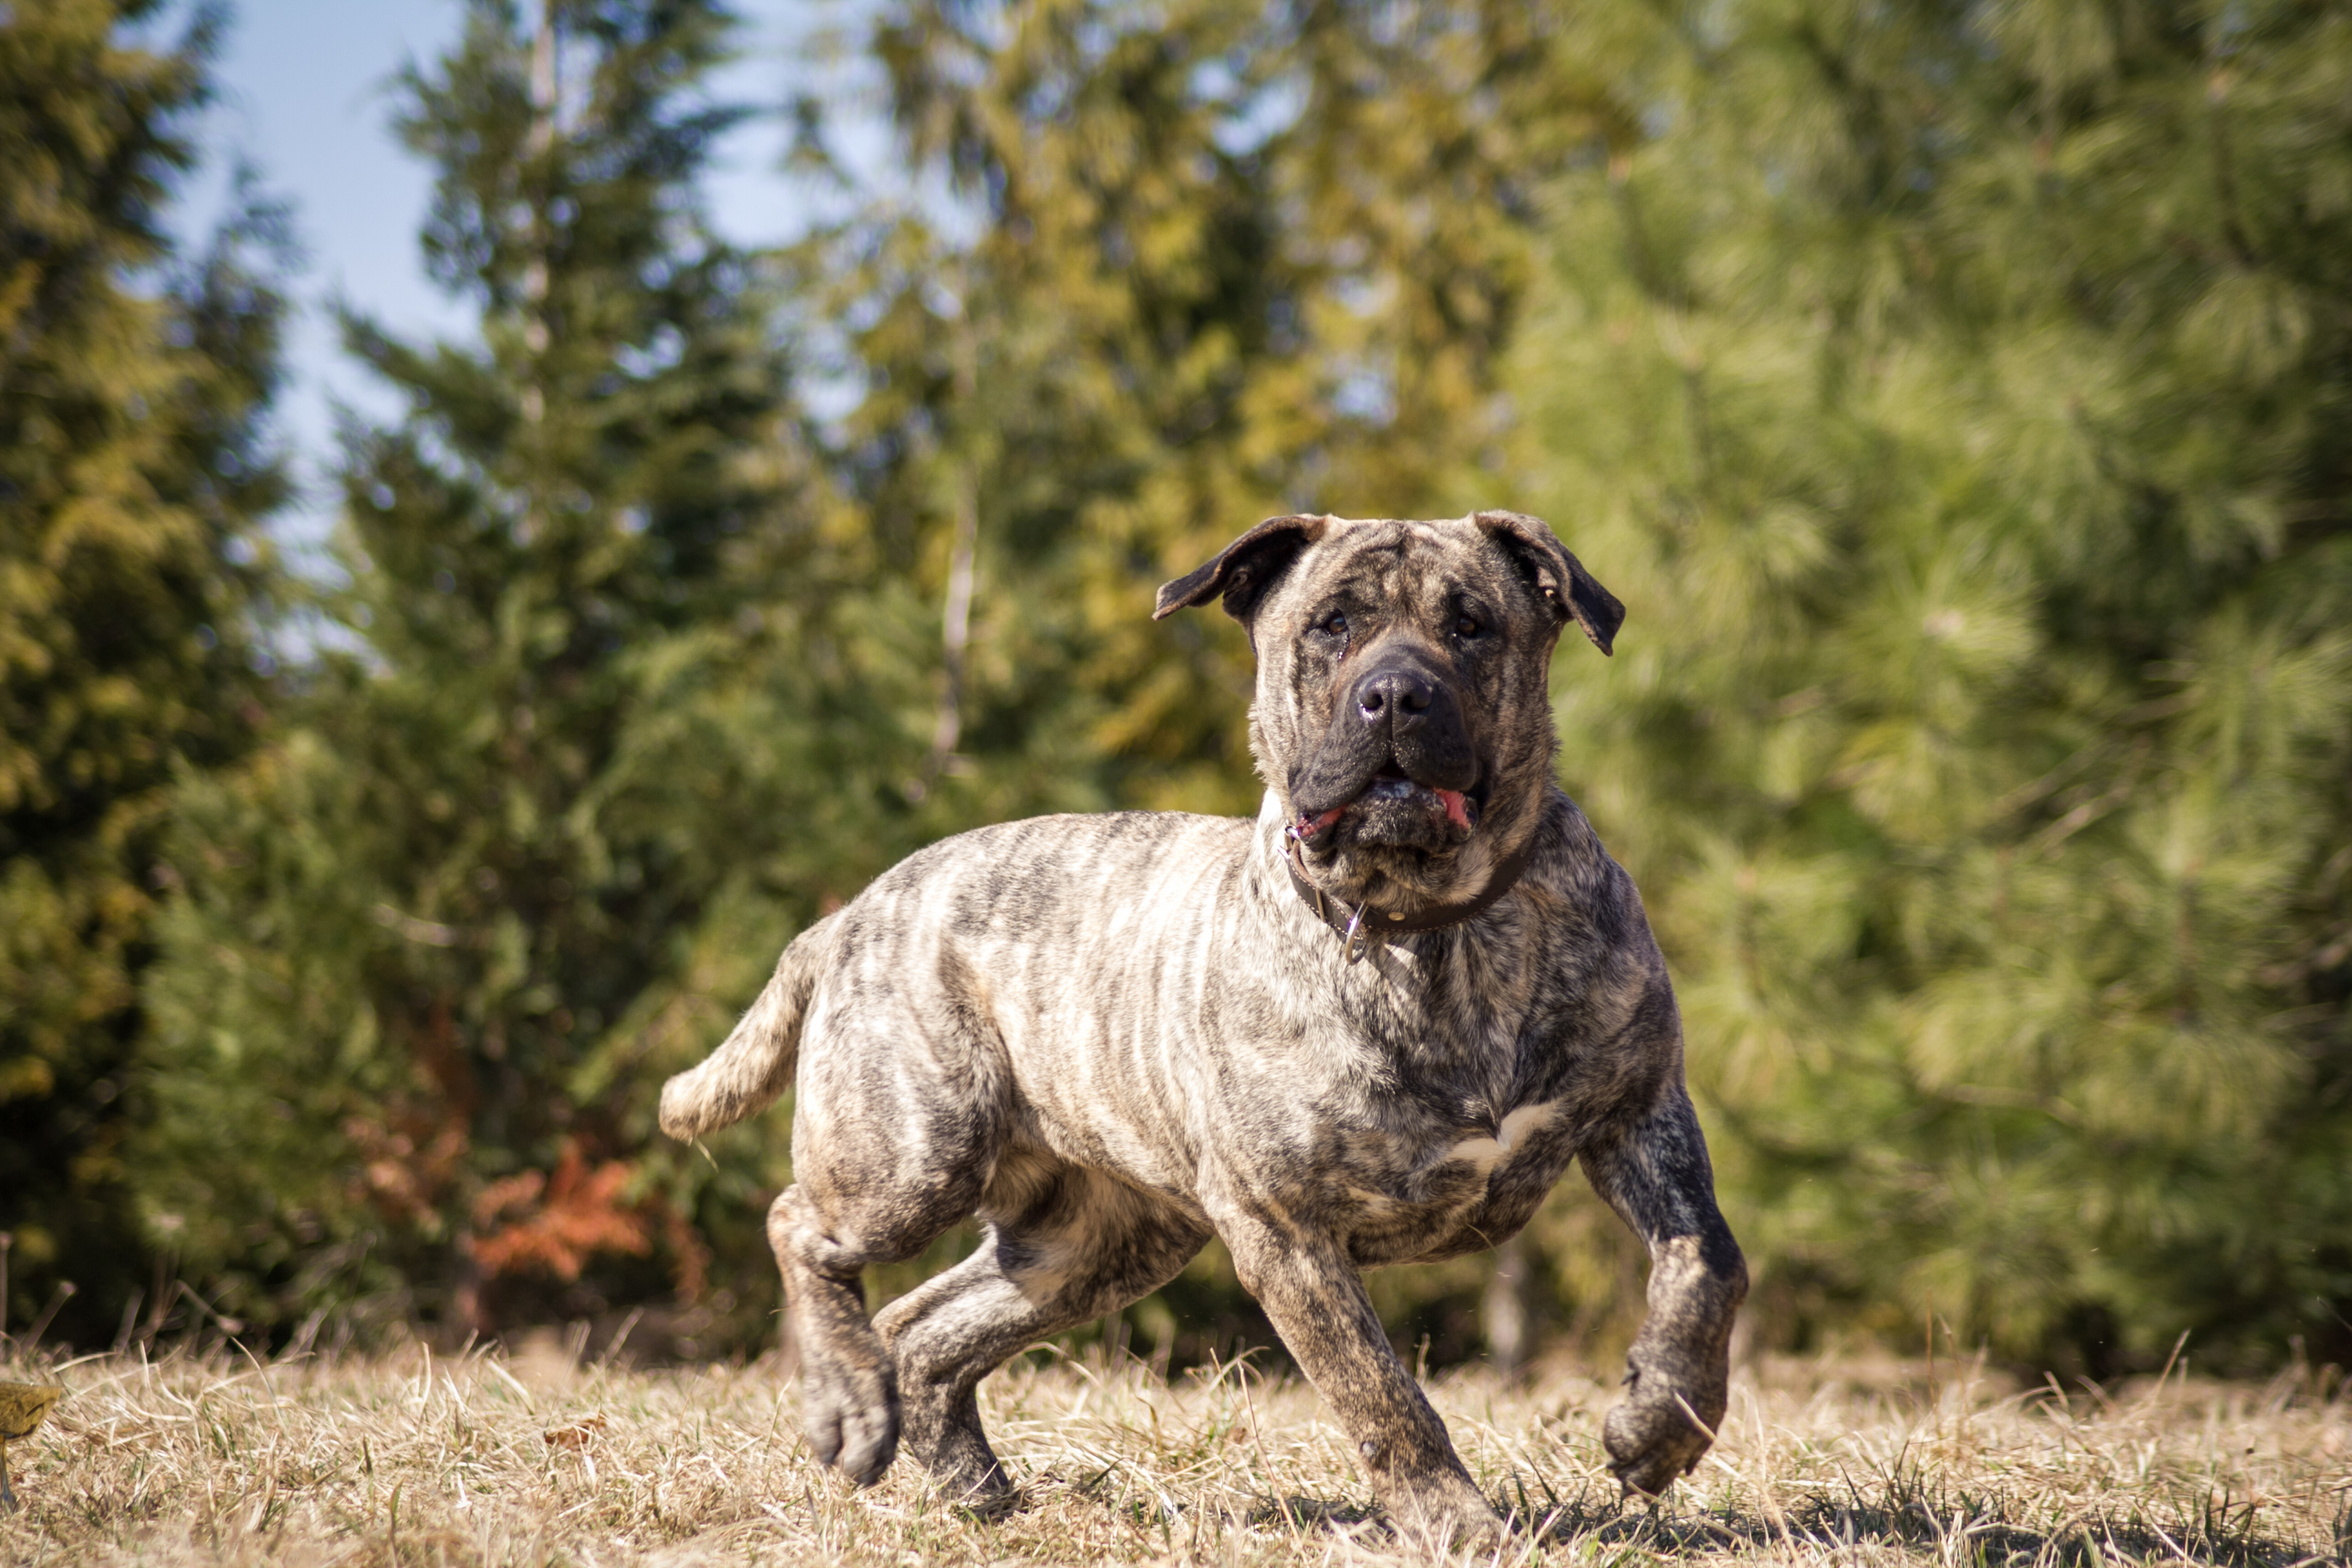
(1390,785)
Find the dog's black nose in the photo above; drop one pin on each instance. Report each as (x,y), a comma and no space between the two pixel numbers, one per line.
(1397,697)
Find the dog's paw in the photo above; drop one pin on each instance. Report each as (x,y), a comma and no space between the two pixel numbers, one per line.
(963,1469)
(1654,1435)
(852,1421)
(1443,1515)
(990,1499)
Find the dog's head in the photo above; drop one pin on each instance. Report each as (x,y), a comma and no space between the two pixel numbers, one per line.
(1403,715)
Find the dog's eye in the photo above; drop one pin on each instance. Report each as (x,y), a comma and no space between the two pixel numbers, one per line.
(1466,626)
(1336,624)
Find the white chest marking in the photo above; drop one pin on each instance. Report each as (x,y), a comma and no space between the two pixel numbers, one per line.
(1487,1152)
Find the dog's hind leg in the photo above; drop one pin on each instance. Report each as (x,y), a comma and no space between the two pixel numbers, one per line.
(849,1397)
(1064,1246)
(825,1238)
(894,1136)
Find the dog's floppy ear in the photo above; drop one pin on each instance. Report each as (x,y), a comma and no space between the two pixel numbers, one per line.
(1559,576)
(1245,569)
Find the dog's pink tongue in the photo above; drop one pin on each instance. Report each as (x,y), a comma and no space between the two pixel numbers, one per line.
(1457,807)
(1309,827)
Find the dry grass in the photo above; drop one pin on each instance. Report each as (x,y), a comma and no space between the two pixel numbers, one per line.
(531,1461)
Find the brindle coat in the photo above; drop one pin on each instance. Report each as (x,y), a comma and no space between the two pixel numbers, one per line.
(1113,1036)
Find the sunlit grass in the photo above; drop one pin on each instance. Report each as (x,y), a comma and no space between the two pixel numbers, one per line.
(417,1458)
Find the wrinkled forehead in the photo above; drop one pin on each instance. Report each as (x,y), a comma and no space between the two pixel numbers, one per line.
(1387,557)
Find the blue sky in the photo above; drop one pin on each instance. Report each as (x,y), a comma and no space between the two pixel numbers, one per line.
(303,97)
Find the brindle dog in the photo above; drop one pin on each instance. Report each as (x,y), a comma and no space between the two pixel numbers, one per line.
(1372,1026)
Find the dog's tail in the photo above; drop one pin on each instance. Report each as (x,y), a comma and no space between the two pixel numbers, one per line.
(746,1074)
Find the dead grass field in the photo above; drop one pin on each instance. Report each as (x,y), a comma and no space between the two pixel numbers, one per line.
(532,1460)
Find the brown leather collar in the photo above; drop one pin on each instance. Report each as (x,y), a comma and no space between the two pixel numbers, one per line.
(1363,926)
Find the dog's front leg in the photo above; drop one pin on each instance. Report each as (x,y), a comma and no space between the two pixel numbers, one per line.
(1316,1300)
(1654,1172)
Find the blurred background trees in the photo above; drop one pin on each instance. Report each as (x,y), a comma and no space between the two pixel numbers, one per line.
(135,594)
(1958,398)
(565,759)
(1955,395)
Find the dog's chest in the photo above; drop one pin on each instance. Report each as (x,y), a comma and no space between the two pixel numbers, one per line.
(1402,1158)
(1404,1182)
(1425,1109)
(1428,1158)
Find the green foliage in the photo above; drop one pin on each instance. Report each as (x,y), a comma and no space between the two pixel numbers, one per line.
(1953,393)
(133,476)
(586,767)
(1220,271)
(1957,397)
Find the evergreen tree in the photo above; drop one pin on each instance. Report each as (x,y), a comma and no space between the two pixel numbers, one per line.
(1220,270)
(134,473)
(555,814)
(1957,397)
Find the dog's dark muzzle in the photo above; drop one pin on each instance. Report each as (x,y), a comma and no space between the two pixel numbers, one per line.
(1398,745)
